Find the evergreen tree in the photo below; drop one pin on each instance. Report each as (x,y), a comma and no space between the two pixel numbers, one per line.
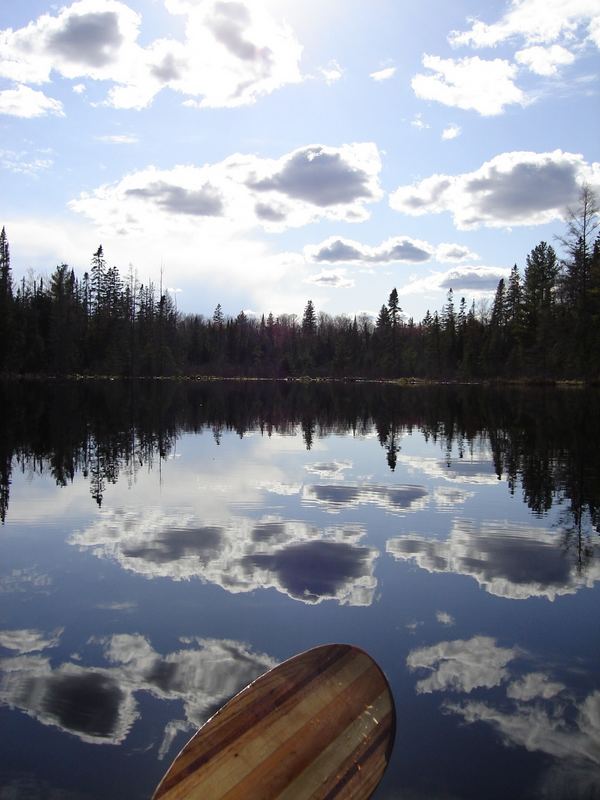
(583,221)
(6,287)
(394,309)
(309,319)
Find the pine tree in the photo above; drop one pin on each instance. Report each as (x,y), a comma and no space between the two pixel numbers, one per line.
(394,309)
(583,221)
(6,287)
(6,306)
(309,320)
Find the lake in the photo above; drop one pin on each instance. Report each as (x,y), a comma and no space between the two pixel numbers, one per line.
(164,543)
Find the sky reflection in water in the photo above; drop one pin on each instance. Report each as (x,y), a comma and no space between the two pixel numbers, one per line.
(468,568)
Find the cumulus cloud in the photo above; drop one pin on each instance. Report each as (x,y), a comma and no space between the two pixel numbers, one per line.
(451,132)
(418,122)
(311,183)
(444,618)
(570,733)
(232,52)
(454,252)
(240,555)
(532,685)
(331,278)
(322,176)
(478,470)
(461,665)
(98,704)
(329,469)
(544,60)
(472,280)
(337,497)
(535,21)
(515,188)
(28,103)
(398,248)
(383,74)
(332,72)
(29,641)
(405,249)
(506,559)
(537,713)
(469,83)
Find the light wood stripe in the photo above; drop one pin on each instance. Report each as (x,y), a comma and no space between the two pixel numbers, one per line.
(335,759)
(318,726)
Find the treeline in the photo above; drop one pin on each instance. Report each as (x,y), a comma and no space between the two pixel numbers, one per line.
(544,322)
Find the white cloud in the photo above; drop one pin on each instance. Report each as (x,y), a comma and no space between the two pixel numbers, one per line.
(239,554)
(451,132)
(404,249)
(418,122)
(461,665)
(383,74)
(336,497)
(478,470)
(332,72)
(98,705)
(444,618)
(506,559)
(28,103)
(570,733)
(447,498)
(331,278)
(474,280)
(535,21)
(399,248)
(24,163)
(515,188)
(469,83)
(447,251)
(532,685)
(544,60)
(311,183)
(79,88)
(119,138)
(232,53)
(29,641)
(329,469)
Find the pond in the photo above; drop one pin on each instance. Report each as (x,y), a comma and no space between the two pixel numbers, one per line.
(164,543)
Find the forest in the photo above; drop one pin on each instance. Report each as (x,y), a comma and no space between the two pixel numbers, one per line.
(543,324)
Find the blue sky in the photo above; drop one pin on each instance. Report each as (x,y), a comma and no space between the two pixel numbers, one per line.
(267,152)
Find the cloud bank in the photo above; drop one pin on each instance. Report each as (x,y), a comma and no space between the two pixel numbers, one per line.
(515,188)
(231,54)
(295,558)
(311,183)
(506,559)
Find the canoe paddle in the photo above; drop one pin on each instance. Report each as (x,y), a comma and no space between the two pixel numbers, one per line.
(320,725)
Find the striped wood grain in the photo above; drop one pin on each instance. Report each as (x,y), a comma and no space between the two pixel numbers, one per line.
(319,726)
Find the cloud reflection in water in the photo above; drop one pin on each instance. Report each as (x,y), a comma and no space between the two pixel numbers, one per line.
(507,559)
(537,711)
(97,703)
(297,559)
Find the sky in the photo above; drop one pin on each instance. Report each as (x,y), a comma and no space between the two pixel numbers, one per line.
(260,153)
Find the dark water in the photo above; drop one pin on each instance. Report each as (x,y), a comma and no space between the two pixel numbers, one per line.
(164,544)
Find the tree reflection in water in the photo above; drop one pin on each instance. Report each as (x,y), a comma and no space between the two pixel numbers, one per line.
(544,440)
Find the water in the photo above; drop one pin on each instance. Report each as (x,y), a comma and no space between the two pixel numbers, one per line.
(166,543)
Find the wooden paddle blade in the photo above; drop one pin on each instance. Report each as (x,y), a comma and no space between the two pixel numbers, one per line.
(319,726)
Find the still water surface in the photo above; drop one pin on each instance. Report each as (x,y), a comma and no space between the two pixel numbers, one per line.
(164,544)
